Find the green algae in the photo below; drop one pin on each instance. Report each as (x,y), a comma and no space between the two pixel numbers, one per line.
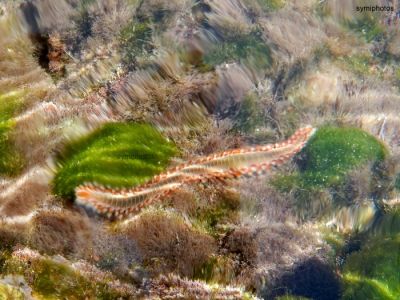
(330,154)
(11,161)
(333,151)
(334,239)
(388,222)
(264,6)
(53,280)
(319,183)
(373,272)
(117,154)
(10,104)
(57,280)
(358,287)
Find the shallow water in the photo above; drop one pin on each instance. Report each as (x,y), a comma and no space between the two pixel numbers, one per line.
(154,149)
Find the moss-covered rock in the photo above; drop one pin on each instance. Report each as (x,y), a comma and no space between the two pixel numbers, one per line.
(332,152)
(373,272)
(325,167)
(117,154)
(50,279)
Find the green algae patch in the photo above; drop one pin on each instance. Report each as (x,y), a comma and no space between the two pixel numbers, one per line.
(328,156)
(332,152)
(10,104)
(11,161)
(57,280)
(388,222)
(117,154)
(52,280)
(358,287)
(373,272)
(323,166)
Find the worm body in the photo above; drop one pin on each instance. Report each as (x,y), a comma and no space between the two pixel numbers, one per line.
(227,165)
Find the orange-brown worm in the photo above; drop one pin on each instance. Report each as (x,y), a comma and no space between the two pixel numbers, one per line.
(227,165)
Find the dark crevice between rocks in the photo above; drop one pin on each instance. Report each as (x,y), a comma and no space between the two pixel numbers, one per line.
(313,279)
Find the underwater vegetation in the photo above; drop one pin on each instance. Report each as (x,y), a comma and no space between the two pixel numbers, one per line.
(367,26)
(11,162)
(198,149)
(333,151)
(377,279)
(117,154)
(217,167)
(163,253)
(135,40)
(57,279)
(331,154)
(248,49)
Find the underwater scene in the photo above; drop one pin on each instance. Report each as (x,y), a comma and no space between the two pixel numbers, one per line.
(200,149)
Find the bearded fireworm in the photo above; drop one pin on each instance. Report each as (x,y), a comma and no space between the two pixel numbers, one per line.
(227,165)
